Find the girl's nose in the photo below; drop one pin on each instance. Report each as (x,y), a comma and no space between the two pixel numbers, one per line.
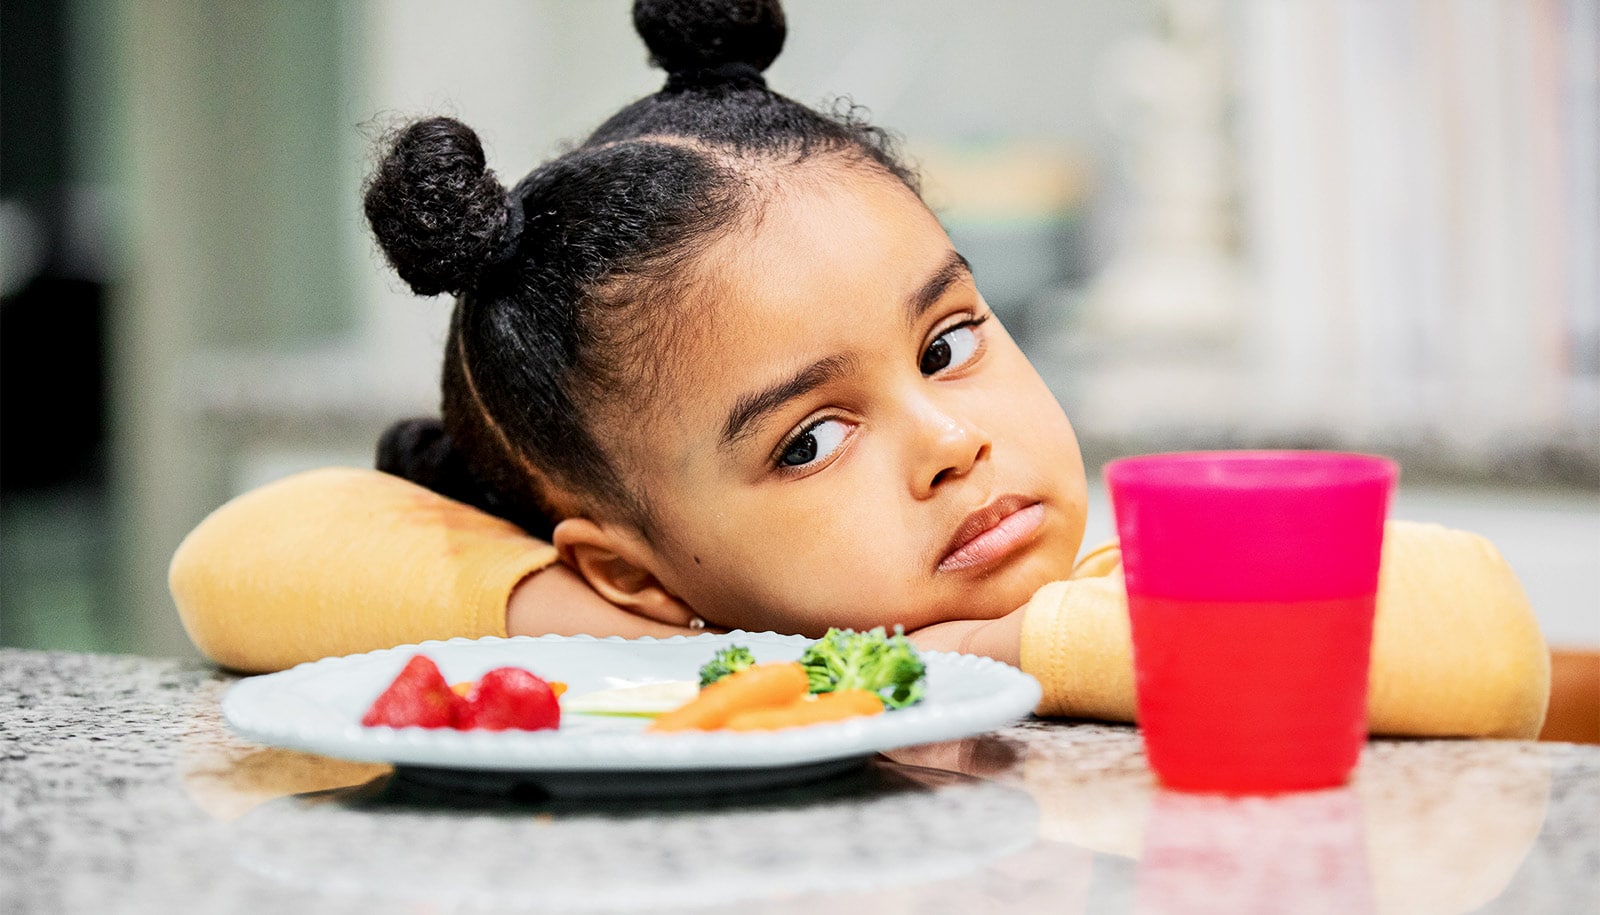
(949,447)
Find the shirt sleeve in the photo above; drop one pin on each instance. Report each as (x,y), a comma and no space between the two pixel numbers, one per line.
(1077,642)
(1456,649)
(341,560)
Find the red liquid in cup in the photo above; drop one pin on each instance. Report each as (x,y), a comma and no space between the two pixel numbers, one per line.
(1252,696)
(1251,578)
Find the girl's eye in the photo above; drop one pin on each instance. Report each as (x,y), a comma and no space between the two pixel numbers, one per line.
(814,444)
(951,349)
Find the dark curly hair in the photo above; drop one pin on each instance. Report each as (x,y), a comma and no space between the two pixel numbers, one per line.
(555,278)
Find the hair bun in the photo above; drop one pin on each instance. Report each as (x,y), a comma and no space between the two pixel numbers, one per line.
(416,450)
(437,210)
(706,36)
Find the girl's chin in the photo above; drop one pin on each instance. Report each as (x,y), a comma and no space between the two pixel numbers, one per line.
(1013,588)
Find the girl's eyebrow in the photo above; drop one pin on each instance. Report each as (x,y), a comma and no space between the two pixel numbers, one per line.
(750,409)
(954,267)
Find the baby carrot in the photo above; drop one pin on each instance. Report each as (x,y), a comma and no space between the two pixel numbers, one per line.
(758,687)
(834,706)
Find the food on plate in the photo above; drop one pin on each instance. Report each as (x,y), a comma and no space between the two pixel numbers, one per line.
(504,698)
(509,698)
(844,674)
(763,686)
(418,697)
(465,686)
(886,665)
(809,709)
(632,700)
(726,661)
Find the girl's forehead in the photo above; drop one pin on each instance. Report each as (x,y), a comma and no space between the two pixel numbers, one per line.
(829,269)
(837,243)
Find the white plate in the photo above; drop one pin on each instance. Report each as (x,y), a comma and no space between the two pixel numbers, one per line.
(317,707)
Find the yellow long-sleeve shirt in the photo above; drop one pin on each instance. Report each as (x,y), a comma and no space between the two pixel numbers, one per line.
(341,560)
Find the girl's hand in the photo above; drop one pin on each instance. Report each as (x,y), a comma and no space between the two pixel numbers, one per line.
(557,601)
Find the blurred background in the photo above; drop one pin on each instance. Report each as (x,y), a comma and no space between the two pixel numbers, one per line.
(1366,224)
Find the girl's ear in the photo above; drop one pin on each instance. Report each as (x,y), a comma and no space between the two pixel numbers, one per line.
(614,565)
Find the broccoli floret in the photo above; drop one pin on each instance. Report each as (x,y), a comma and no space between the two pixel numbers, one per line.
(727,661)
(874,661)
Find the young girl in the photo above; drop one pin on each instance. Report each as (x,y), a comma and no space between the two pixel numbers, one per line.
(726,366)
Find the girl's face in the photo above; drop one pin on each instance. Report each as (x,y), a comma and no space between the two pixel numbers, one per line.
(848,437)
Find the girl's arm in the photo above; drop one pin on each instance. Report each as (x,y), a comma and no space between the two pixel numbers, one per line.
(557,601)
(341,560)
(1456,650)
(1000,639)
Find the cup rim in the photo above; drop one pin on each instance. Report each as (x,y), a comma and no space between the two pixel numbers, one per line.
(1250,469)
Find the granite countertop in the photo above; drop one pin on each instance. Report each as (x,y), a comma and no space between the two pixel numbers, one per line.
(121,790)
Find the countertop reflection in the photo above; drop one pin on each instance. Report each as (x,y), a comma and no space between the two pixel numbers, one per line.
(122,790)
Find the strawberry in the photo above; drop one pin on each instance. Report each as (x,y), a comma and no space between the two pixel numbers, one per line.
(418,697)
(510,697)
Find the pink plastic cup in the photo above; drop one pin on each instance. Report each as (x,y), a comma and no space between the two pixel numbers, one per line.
(1251,577)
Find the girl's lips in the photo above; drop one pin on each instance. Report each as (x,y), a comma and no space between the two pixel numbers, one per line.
(992,532)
